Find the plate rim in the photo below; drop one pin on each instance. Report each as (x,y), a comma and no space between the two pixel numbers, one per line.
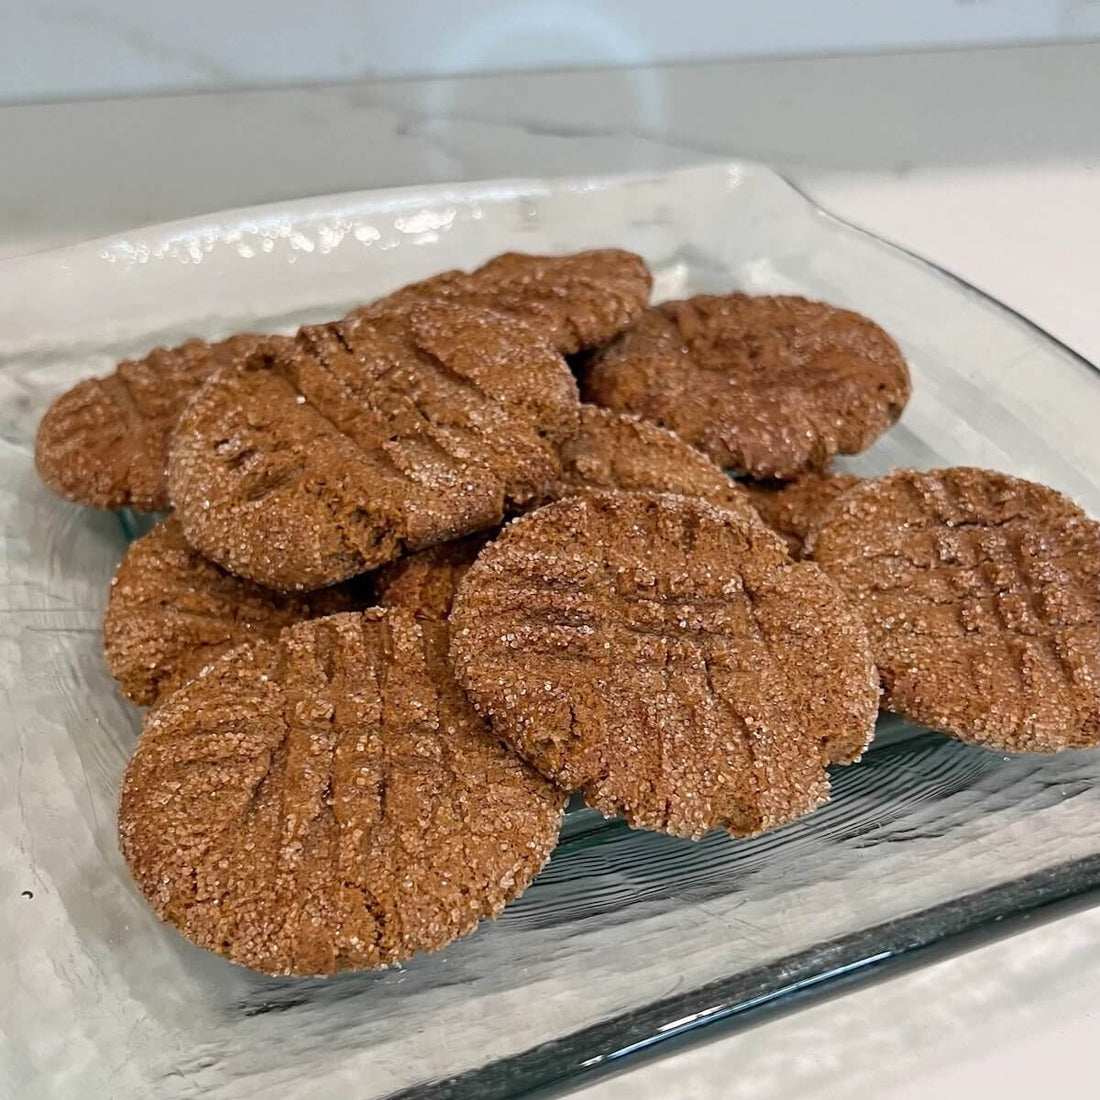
(392,198)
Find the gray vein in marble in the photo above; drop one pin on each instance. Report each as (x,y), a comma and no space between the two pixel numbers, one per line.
(149,46)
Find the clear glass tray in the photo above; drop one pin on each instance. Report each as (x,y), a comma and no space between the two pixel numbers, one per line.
(627,940)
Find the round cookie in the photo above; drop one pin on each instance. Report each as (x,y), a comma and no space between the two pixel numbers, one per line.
(793,508)
(329,801)
(366,438)
(616,451)
(425,584)
(668,659)
(171,613)
(103,443)
(577,301)
(768,386)
(981,594)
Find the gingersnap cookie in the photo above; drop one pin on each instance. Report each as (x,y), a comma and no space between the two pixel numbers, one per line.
(617,451)
(577,301)
(425,583)
(330,801)
(103,442)
(768,386)
(171,613)
(792,508)
(667,658)
(365,438)
(981,595)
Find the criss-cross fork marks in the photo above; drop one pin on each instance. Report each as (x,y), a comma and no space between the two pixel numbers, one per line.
(662,657)
(410,412)
(413,788)
(982,596)
(359,439)
(649,633)
(1009,585)
(378,711)
(674,647)
(331,800)
(686,613)
(577,302)
(117,426)
(659,674)
(696,659)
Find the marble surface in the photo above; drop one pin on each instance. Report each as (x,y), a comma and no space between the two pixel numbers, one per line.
(60,49)
(987,162)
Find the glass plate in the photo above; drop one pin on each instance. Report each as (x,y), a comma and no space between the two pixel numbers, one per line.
(627,939)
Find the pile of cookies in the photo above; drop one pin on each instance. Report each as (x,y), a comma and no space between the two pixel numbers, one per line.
(432,567)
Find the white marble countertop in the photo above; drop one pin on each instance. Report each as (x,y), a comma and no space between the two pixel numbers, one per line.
(986,162)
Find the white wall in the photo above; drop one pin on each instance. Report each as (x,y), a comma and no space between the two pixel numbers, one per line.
(63,49)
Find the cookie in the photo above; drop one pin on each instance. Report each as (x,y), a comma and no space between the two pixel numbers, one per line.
(330,801)
(767,386)
(171,613)
(668,659)
(616,451)
(577,302)
(103,442)
(425,584)
(367,438)
(981,593)
(792,508)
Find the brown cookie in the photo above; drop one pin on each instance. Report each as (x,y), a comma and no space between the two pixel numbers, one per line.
(667,658)
(368,437)
(981,594)
(769,387)
(103,442)
(792,508)
(425,583)
(329,801)
(171,613)
(577,301)
(617,451)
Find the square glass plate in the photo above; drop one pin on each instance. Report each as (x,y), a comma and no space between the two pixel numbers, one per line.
(627,939)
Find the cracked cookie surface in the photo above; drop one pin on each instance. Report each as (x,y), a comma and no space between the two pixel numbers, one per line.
(666,658)
(330,801)
(981,594)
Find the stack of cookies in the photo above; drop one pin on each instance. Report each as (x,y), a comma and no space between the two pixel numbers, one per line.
(412,591)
